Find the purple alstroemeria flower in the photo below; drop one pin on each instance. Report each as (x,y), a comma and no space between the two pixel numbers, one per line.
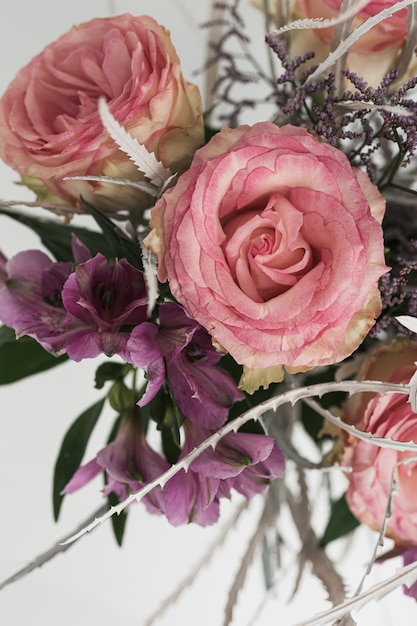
(192,498)
(30,296)
(107,299)
(180,349)
(244,461)
(129,463)
(30,299)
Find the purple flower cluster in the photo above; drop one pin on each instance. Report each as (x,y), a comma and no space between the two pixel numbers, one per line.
(245,462)
(79,310)
(91,307)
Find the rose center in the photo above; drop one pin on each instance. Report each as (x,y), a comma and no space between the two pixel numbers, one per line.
(266,249)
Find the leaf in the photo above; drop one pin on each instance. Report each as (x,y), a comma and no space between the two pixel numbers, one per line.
(56,237)
(118,521)
(23,357)
(72,451)
(119,245)
(341,522)
(408,321)
(144,160)
(110,372)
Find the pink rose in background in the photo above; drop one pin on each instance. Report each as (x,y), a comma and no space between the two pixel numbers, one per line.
(372,55)
(388,416)
(273,243)
(50,127)
(389,33)
(379,365)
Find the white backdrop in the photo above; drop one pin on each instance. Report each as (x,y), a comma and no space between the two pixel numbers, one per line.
(95,582)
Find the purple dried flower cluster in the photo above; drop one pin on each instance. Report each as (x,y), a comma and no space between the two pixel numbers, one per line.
(399,287)
(93,307)
(370,136)
(236,67)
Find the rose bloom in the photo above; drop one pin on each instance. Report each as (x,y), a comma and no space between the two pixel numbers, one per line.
(273,243)
(50,127)
(371,56)
(389,416)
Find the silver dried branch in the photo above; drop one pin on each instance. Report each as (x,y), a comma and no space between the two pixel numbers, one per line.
(142,185)
(58,548)
(292,396)
(371,106)
(406,575)
(150,273)
(320,22)
(363,28)
(408,51)
(49,206)
(202,562)
(211,73)
(266,520)
(322,566)
(388,510)
(381,442)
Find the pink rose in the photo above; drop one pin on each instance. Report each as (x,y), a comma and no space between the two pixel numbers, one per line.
(387,416)
(50,127)
(371,57)
(273,243)
(379,365)
(389,33)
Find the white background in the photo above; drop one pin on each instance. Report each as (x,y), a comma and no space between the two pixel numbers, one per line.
(95,582)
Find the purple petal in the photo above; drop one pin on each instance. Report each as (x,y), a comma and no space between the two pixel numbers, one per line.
(189,498)
(80,252)
(145,353)
(82,476)
(233,454)
(87,344)
(204,393)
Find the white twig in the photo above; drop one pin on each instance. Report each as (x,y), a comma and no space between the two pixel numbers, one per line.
(273,404)
(363,28)
(406,575)
(150,273)
(381,535)
(142,185)
(321,22)
(202,562)
(381,442)
(58,548)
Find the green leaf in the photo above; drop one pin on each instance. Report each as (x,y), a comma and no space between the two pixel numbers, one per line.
(341,522)
(120,245)
(56,237)
(110,371)
(23,357)
(118,521)
(72,451)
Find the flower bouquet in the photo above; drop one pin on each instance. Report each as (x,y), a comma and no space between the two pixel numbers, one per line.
(242,273)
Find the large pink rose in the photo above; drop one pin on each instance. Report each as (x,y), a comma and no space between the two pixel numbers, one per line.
(372,55)
(50,127)
(273,243)
(388,416)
